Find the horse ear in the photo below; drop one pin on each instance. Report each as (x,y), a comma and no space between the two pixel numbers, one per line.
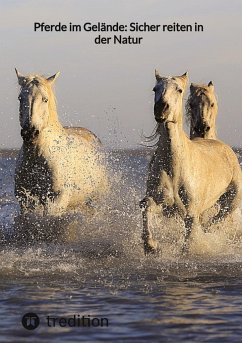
(21,78)
(52,78)
(210,85)
(184,78)
(157,75)
(193,87)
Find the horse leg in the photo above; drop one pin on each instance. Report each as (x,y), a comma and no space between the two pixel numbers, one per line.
(150,244)
(59,205)
(229,202)
(191,221)
(188,221)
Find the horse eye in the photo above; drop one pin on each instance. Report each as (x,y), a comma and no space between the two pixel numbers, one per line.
(45,99)
(179,90)
(212,104)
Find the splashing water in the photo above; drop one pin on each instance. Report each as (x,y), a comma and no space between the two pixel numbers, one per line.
(96,265)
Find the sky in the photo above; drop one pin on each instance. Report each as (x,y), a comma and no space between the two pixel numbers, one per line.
(108,88)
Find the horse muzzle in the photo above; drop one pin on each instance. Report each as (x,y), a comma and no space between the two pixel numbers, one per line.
(201,129)
(160,120)
(160,111)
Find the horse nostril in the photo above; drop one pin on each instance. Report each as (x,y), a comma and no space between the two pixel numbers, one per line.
(35,133)
(160,110)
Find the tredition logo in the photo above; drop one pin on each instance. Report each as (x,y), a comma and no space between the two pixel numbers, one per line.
(30,321)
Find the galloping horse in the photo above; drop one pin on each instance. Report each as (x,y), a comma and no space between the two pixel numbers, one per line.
(201,113)
(57,168)
(202,110)
(186,176)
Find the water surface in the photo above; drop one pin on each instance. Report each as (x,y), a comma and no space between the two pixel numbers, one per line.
(99,270)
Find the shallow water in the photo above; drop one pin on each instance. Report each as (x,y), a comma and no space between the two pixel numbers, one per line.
(96,268)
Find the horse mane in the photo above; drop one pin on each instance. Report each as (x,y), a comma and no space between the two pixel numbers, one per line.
(52,99)
(152,138)
(188,110)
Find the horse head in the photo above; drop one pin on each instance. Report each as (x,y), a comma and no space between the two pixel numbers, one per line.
(202,108)
(169,93)
(36,104)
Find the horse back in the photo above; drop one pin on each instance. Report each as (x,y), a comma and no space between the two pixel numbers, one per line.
(213,158)
(83,133)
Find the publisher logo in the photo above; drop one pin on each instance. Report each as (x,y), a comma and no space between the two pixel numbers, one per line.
(30,321)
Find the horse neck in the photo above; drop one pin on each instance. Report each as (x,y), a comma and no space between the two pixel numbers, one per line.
(164,143)
(172,139)
(50,134)
(53,121)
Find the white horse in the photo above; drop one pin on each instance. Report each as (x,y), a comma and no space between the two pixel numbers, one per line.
(186,176)
(202,110)
(58,169)
(201,114)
